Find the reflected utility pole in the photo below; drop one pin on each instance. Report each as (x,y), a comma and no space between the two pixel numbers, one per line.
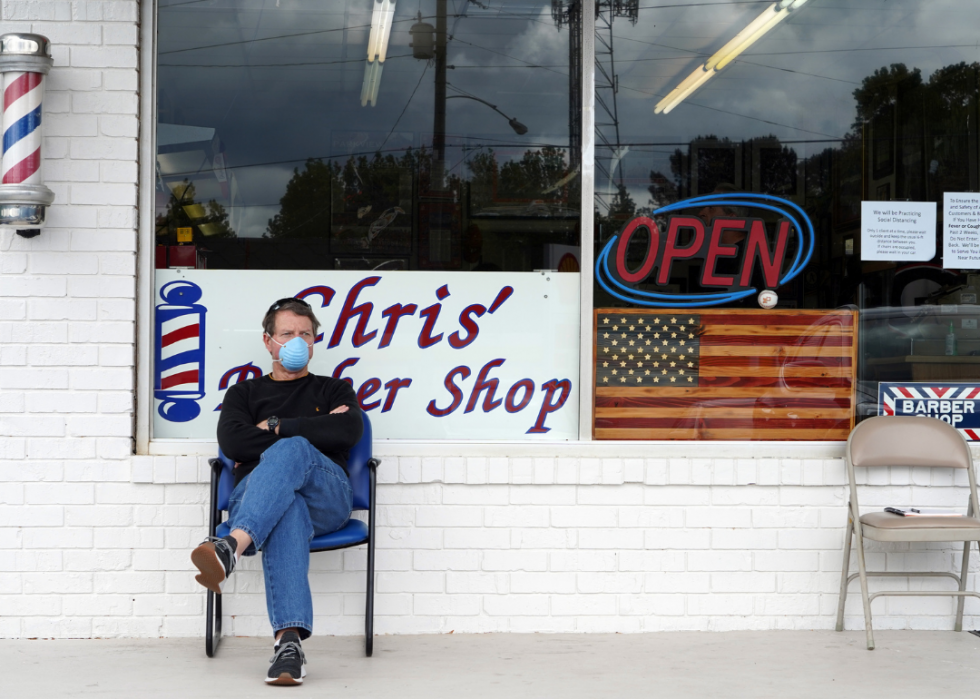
(439,121)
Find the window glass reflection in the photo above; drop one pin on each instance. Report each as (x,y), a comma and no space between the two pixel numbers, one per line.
(295,134)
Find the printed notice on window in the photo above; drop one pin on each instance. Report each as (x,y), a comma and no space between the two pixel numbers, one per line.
(898,230)
(961,230)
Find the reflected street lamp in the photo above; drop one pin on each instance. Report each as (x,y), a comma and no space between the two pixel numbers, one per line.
(518,127)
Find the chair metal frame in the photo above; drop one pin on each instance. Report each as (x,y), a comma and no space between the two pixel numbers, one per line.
(855,529)
(222,465)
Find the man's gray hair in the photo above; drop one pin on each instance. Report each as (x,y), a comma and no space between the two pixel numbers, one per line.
(297,306)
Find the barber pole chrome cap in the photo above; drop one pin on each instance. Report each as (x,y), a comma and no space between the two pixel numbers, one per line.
(24,61)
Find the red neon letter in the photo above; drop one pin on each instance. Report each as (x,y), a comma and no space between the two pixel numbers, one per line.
(672,252)
(758,245)
(624,241)
(716,249)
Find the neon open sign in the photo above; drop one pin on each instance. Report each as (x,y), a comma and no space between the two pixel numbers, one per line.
(706,243)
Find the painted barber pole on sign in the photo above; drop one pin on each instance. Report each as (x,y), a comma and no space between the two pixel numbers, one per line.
(430,355)
(955,403)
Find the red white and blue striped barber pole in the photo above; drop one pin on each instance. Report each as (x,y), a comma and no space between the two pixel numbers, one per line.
(178,365)
(24,61)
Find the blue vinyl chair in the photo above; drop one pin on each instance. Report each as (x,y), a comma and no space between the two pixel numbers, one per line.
(362,469)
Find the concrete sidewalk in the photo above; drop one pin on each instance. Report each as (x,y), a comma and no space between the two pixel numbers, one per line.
(785,664)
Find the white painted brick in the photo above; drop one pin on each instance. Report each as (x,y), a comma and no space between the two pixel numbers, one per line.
(59,493)
(11,494)
(700,470)
(61,402)
(544,538)
(658,517)
(521,471)
(544,470)
(811,539)
(590,471)
(677,538)
(584,560)
(719,561)
(723,471)
(498,470)
(614,495)
(542,495)
(475,495)
(582,516)
(446,560)
(656,472)
(120,80)
(476,470)
(12,402)
(523,517)
(677,495)
(613,471)
(32,426)
(32,286)
(517,605)
(514,560)
(479,582)
(449,517)
(454,470)
(718,517)
(633,470)
(679,471)
(410,471)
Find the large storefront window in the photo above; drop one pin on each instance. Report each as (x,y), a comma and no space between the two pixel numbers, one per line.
(412,170)
(860,117)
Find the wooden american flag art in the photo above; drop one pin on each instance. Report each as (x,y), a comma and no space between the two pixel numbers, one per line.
(724,374)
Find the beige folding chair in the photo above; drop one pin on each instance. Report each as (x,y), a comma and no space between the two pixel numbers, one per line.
(906,441)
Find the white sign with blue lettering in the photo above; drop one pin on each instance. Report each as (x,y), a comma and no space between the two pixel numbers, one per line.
(955,403)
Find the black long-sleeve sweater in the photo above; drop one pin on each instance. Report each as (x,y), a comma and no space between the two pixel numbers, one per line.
(303,407)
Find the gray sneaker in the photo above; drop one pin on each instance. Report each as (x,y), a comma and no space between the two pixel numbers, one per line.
(215,558)
(289,663)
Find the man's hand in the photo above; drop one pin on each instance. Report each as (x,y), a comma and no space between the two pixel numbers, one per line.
(264,425)
(340,409)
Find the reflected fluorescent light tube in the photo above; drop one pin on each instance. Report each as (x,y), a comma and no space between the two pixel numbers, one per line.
(381,19)
(755,36)
(688,85)
(372,83)
(757,28)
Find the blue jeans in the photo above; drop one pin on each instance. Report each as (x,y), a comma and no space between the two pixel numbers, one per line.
(294,494)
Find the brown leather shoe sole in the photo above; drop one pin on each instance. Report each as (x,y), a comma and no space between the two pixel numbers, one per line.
(212,572)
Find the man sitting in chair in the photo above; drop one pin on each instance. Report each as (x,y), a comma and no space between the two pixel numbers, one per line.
(289,433)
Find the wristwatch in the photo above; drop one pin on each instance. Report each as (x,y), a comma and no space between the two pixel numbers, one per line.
(273,423)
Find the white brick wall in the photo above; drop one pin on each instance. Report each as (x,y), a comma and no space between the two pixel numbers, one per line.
(95,542)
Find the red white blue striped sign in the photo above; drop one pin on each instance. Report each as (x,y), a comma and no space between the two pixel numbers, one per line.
(955,403)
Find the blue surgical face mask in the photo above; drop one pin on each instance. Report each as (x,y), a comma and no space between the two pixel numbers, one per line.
(294,355)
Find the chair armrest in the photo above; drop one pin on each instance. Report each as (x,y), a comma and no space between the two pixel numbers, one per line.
(216,465)
(373,463)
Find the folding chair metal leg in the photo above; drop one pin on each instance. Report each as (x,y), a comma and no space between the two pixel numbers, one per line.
(962,599)
(369,601)
(863,572)
(845,569)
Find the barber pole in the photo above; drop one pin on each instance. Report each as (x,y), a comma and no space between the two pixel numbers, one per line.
(24,61)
